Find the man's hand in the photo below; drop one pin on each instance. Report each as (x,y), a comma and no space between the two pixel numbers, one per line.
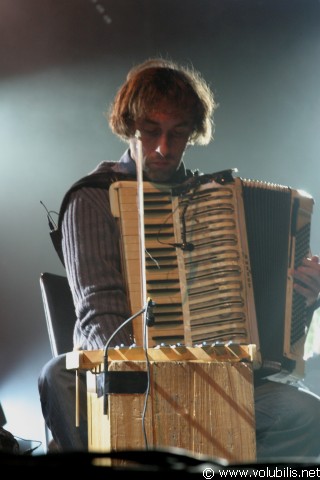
(307,279)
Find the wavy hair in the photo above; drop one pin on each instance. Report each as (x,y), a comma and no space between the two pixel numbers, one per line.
(156,81)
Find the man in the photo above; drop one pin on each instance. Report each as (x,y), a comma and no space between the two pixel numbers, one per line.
(167,108)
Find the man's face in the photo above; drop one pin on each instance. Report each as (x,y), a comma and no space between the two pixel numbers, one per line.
(164,135)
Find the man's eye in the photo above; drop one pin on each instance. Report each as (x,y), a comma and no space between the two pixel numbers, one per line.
(180,133)
(151,132)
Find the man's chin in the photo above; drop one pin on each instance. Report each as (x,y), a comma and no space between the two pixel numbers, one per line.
(160,175)
(159,178)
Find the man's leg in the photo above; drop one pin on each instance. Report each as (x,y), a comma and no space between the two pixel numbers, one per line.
(58,401)
(287,422)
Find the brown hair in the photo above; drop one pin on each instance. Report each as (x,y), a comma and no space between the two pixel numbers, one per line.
(156,81)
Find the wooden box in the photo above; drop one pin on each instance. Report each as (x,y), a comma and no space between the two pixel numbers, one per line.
(198,400)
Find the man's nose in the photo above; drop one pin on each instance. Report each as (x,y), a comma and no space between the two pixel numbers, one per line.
(163,145)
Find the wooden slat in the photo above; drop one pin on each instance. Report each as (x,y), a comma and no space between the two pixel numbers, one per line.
(232,352)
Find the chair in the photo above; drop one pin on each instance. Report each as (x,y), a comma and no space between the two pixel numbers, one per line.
(60,317)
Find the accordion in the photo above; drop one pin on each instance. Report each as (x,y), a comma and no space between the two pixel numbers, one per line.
(219,254)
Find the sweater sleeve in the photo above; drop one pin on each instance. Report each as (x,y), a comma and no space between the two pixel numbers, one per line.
(90,245)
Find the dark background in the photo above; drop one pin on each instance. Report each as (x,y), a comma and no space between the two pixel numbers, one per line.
(61,62)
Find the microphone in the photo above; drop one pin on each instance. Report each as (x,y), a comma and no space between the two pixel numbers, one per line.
(150,318)
(188,247)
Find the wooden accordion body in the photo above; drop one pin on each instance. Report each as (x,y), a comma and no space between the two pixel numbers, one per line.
(219,256)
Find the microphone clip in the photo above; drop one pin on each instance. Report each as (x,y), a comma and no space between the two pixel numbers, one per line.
(150,318)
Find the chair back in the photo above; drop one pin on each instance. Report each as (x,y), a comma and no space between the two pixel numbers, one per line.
(59,311)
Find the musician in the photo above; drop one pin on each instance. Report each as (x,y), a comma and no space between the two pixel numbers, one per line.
(168,108)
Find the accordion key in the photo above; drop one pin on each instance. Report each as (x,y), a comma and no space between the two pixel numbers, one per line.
(219,258)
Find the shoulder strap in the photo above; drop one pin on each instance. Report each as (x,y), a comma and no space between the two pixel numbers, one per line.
(95,180)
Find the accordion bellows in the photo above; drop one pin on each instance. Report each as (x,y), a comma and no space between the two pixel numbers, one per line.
(219,253)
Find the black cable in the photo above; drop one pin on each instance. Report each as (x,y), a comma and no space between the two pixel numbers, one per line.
(52,224)
(105,352)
